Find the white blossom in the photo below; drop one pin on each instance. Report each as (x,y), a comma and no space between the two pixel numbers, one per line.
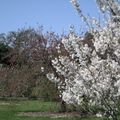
(92,72)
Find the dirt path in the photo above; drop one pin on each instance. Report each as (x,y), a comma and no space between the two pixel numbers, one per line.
(49,114)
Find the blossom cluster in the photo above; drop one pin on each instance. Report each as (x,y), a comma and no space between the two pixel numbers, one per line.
(93,72)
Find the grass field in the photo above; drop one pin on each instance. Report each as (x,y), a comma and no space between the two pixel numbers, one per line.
(9,110)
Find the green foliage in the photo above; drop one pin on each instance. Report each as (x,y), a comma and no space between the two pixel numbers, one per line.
(45,91)
(4,49)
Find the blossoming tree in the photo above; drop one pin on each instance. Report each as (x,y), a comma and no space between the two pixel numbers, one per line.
(92,74)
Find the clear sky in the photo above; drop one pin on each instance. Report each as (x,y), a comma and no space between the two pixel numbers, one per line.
(55,15)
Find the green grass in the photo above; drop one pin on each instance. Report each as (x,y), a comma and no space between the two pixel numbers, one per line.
(9,110)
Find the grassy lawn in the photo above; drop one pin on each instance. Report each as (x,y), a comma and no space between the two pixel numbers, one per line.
(9,110)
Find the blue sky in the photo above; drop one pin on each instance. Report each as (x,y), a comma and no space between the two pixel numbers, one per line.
(55,15)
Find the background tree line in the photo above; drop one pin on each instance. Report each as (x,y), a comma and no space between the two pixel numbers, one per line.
(25,58)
